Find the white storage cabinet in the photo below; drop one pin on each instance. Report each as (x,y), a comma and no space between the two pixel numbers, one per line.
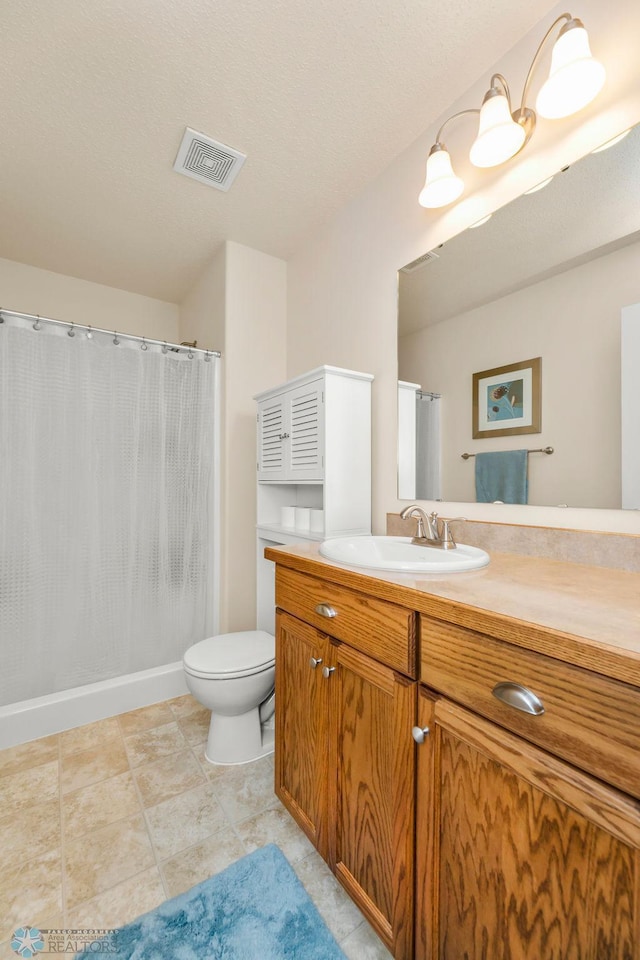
(313,450)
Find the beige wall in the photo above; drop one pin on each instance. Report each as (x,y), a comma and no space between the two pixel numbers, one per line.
(572,321)
(27,289)
(239,306)
(342,283)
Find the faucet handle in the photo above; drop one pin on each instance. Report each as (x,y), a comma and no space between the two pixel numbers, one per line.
(445,532)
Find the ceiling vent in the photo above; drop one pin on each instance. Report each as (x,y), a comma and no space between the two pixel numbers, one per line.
(420,262)
(208,161)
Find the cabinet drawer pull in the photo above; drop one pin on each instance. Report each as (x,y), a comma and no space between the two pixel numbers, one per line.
(313,662)
(326,611)
(515,695)
(419,734)
(327,671)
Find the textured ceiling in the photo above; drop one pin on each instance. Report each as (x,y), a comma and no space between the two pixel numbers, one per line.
(320,96)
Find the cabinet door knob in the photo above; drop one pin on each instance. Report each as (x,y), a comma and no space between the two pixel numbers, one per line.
(515,695)
(326,611)
(419,733)
(313,662)
(327,671)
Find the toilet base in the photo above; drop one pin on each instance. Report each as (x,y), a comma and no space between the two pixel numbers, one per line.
(239,739)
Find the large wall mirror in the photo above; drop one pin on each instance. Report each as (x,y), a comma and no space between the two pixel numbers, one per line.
(554,275)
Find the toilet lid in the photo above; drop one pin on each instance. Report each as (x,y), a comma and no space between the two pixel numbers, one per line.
(231,654)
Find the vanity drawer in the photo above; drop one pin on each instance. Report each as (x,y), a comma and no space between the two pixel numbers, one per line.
(385,631)
(589,720)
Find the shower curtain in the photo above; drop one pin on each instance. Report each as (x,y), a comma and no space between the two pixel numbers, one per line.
(428,448)
(106,507)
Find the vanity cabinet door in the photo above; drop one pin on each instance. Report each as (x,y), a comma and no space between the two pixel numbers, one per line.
(371,796)
(302,712)
(526,857)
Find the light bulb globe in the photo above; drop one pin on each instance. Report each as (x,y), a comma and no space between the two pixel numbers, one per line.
(441,185)
(575,77)
(499,136)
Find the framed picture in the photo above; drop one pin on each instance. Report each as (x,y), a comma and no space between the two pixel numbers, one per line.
(506,400)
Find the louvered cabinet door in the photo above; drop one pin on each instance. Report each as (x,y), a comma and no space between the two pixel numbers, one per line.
(520,856)
(305,425)
(272,436)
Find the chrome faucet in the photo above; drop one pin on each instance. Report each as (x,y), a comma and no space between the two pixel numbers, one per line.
(431,530)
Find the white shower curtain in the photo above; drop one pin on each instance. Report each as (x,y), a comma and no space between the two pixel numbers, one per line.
(106,507)
(428,447)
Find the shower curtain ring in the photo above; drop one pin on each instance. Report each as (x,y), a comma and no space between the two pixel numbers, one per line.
(143,345)
(165,347)
(207,357)
(190,354)
(71,331)
(115,338)
(37,325)
(89,334)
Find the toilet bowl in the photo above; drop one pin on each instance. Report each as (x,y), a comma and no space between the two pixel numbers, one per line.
(233,676)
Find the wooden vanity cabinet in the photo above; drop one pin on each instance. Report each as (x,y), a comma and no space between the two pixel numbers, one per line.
(345,759)
(524,857)
(502,835)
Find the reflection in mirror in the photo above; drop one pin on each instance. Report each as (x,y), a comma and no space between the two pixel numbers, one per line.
(555,275)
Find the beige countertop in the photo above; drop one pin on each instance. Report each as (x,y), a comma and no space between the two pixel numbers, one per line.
(588,616)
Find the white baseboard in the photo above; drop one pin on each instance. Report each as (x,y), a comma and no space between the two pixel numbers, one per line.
(31,719)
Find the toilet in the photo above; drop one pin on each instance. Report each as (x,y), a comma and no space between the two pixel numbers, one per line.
(233,676)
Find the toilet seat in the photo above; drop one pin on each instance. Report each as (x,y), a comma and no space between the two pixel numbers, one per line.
(231,655)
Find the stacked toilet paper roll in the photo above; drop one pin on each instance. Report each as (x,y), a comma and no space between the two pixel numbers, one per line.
(288,516)
(316,524)
(303,518)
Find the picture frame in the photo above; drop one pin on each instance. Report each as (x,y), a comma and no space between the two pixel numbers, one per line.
(507,400)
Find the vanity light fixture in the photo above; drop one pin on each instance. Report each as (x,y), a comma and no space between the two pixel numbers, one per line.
(479,223)
(539,186)
(575,78)
(612,142)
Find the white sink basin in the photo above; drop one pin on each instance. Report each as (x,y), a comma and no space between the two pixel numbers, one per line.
(400,555)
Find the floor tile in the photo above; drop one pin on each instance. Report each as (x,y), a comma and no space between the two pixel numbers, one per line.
(195,726)
(245,789)
(200,862)
(108,856)
(99,804)
(33,832)
(136,721)
(275,826)
(336,908)
(364,944)
(31,893)
(90,766)
(183,706)
(21,790)
(168,777)
(121,904)
(90,735)
(154,744)
(185,820)
(26,755)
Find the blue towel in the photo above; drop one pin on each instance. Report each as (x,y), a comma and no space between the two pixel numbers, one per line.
(502,476)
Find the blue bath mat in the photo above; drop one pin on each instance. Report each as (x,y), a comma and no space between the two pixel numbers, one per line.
(256,909)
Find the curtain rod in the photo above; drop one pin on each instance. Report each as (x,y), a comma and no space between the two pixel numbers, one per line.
(126,336)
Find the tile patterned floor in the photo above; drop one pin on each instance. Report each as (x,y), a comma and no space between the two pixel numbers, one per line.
(102,823)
